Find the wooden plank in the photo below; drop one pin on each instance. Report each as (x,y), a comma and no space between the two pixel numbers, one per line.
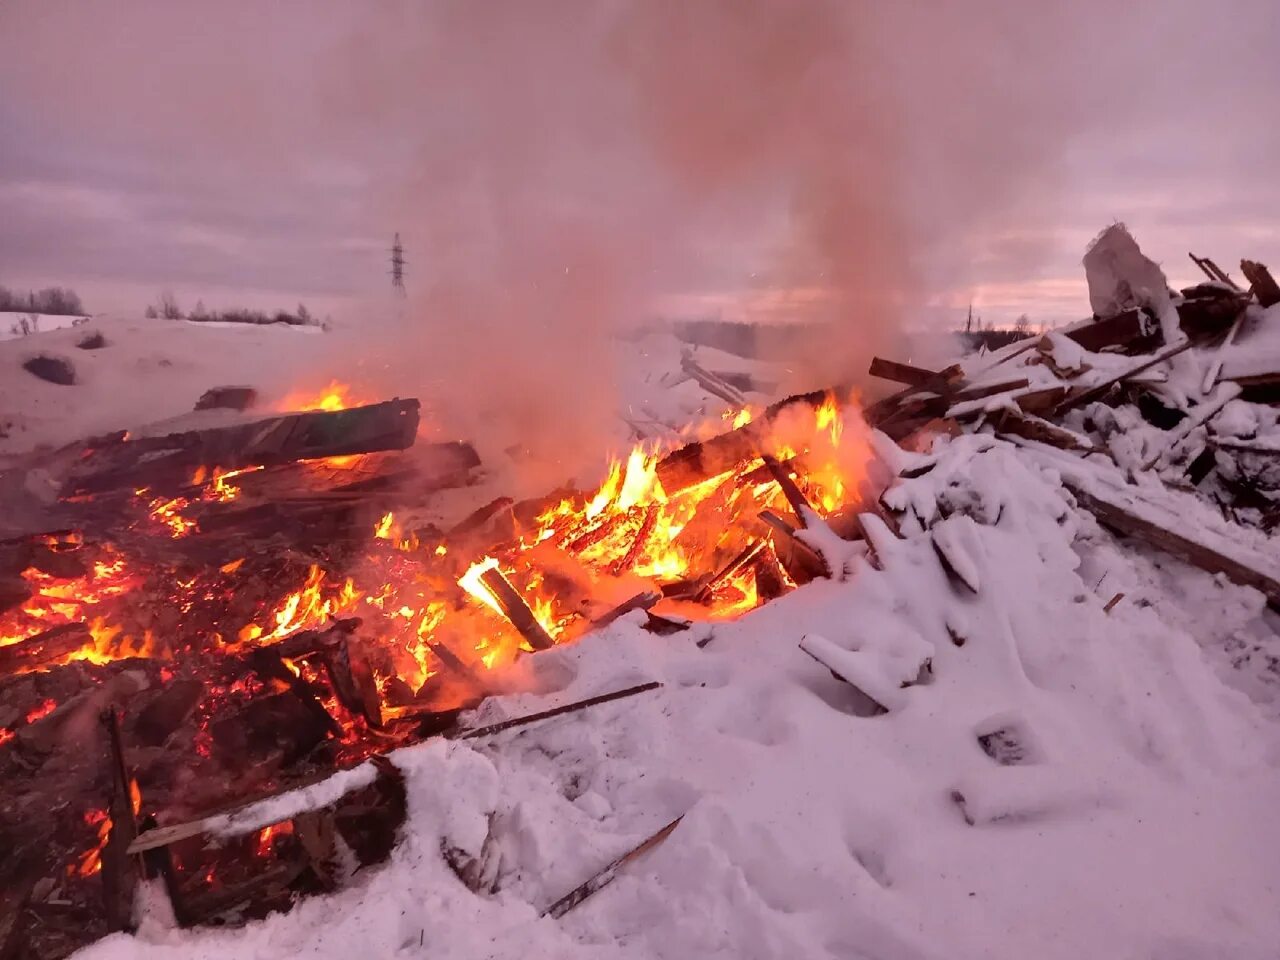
(43,648)
(607,875)
(1036,428)
(1122,330)
(314,434)
(516,610)
(1126,522)
(917,377)
(1102,389)
(802,562)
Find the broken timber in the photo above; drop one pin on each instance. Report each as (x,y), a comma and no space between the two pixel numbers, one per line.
(1126,522)
(43,648)
(1264,285)
(557,711)
(516,610)
(314,434)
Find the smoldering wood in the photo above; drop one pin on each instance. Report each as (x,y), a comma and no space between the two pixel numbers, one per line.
(1264,285)
(800,560)
(641,601)
(43,648)
(638,543)
(493,728)
(769,576)
(516,610)
(1127,523)
(155,722)
(316,434)
(606,876)
(348,667)
(742,559)
(703,459)
(119,869)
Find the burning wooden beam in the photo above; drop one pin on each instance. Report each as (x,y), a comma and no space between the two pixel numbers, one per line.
(315,434)
(802,562)
(943,381)
(641,601)
(606,876)
(119,869)
(493,728)
(798,502)
(746,556)
(43,648)
(515,609)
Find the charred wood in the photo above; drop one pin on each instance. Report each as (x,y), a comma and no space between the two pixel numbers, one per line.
(43,648)
(1264,285)
(516,610)
(574,707)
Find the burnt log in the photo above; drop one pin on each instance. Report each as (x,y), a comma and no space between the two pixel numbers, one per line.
(166,712)
(703,459)
(516,610)
(800,560)
(44,648)
(315,434)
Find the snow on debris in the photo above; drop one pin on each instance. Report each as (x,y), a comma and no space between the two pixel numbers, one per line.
(1063,781)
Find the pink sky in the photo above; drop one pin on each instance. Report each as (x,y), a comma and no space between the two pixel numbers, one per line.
(760,156)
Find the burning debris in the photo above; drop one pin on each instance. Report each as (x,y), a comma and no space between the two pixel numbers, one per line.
(249,610)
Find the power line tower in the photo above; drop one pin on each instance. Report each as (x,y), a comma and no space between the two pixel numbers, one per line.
(397,266)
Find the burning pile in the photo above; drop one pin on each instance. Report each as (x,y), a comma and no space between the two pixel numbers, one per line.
(237,640)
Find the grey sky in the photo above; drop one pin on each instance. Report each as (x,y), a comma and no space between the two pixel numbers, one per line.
(261,153)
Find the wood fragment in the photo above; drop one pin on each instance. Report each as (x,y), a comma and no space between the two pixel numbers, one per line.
(1131,329)
(641,601)
(798,502)
(43,648)
(1264,285)
(516,610)
(1042,401)
(491,729)
(606,876)
(743,558)
(941,381)
(1112,602)
(1212,270)
(802,562)
(1126,522)
(1102,389)
(119,870)
(1038,429)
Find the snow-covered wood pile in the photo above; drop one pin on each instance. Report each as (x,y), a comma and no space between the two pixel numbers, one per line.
(1024,705)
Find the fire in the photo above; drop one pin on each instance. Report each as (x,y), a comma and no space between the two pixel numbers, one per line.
(42,711)
(91,861)
(427,607)
(336,396)
(267,836)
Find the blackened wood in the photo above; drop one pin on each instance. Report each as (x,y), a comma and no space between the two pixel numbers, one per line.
(638,543)
(493,728)
(166,712)
(801,561)
(369,819)
(641,601)
(606,876)
(317,834)
(13,920)
(43,648)
(516,610)
(314,434)
(917,377)
(744,558)
(1125,522)
(119,869)
(158,862)
(798,502)
(1209,316)
(1264,285)
(1212,270)
(366,686)
(210,904)
(455,665)
(769,576)
(703,459)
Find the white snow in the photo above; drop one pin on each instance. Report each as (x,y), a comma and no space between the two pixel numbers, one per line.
(1134,813)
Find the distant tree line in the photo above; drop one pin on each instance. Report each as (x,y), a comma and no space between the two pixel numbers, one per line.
(167,308)
(56,301)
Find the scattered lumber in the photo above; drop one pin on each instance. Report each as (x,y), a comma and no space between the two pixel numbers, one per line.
(315,434)
(607,875)
(800,560)
(942,381)
(1125,521)
(1264,285)
(1036,428)
(1130,329)
(491,729)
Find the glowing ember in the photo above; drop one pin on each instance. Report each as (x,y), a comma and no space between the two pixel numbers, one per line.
(42,711)
(91,862)
(267,837)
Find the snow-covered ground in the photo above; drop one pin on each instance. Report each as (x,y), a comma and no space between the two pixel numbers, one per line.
(1139,819)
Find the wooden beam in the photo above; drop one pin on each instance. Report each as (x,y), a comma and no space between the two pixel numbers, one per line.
(607,875)
(1126,522)
(1102,389)
(516,610)
(491,729)
(43,648)
(918,377)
